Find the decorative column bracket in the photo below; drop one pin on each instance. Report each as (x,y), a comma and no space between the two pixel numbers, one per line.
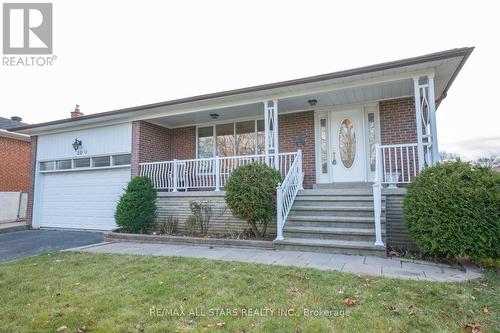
(425,112)
(271,132)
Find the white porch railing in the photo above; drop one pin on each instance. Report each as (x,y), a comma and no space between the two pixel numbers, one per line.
(286,192)
(206,173)
(395,164)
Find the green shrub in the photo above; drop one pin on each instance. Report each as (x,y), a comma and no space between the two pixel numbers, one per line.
(191,224)
(167,225)
(136,210)
(453,210)
(251,195)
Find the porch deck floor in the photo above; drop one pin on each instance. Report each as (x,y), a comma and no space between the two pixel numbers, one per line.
(365,265)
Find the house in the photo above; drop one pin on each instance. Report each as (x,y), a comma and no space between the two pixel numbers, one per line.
(346,143)
(14,157)
(14,170)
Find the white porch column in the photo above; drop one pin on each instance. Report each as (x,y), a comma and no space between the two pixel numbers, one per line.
(432,118)
(418,115)
(271,131)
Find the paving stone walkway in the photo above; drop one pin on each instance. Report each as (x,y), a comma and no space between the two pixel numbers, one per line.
(365,265)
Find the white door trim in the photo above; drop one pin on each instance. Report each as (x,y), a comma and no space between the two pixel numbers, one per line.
(320,177)
(324,113)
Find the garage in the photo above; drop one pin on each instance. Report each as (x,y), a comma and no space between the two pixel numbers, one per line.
(80,176)
(82,199)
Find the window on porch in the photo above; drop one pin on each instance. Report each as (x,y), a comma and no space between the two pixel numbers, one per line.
(240,138)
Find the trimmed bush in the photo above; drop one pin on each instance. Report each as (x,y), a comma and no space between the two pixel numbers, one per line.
(251,195)
(453,210)
(136,210)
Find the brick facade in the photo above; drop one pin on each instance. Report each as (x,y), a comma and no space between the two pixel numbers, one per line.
(291,127)
(397,121)
(183,145)
(155,143)
(14,165)
(398,125)
(32,173)
(152,143)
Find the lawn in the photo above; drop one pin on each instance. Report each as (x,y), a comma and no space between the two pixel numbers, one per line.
(121,293)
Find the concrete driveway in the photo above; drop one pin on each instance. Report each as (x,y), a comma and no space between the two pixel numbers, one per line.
(16,245)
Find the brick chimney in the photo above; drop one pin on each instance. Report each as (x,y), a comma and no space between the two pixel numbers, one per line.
(76,113)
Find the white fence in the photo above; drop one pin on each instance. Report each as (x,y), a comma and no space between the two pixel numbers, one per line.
(206,173)
(399,163)
(395,164)
(13,206)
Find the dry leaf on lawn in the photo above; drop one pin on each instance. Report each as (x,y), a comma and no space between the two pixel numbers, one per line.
(350,301)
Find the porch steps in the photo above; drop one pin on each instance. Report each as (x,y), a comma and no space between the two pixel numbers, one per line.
(333,220)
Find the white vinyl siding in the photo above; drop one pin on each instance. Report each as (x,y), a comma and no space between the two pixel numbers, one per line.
(80,188)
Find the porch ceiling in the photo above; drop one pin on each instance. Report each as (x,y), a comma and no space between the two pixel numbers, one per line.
(335,97)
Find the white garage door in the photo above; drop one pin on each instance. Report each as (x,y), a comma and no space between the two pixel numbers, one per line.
(82,199)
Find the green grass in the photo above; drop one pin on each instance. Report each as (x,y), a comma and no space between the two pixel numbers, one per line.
(115,293)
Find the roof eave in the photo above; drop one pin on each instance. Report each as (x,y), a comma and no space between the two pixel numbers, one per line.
(124,113)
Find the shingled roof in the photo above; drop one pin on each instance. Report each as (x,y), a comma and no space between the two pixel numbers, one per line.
(6,123)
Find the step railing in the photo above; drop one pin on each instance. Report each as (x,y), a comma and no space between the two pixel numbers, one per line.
(394,164)
(286,193)
(206,173)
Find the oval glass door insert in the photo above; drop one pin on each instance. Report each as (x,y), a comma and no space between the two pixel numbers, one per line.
(347,143)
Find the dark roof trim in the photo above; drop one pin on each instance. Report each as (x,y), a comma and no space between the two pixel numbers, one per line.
(464,52)
(454,76)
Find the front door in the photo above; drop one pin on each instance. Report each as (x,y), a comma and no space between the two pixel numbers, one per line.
(347,146)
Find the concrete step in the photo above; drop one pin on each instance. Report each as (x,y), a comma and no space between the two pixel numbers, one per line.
(329,210)
(351,219)
(331,246)
(338,191)
(334,198)
(359,234)
(346,185)
(332,221)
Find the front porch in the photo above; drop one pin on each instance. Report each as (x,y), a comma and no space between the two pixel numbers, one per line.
(375,130)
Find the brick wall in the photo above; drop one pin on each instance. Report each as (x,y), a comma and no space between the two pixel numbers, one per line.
(32,173)
(152,143)
(183,144)
(294,125)
(397,121)
(14,165)
(398,125)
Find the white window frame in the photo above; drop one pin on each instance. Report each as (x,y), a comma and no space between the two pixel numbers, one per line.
(92,167)
(371,108)
(320,177)
(221,122)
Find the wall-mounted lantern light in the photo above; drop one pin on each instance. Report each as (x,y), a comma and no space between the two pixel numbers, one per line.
(77,144)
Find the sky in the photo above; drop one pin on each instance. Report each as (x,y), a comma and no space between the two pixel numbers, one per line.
(116,54)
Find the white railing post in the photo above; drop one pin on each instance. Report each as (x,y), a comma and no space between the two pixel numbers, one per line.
(418,115)
(301,175)
(175,176)
(377,196)
(279,217)
(432,118)
(217,173)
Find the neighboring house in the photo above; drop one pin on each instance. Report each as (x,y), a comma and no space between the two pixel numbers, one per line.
(14,157)
(14,170)
(334,134)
